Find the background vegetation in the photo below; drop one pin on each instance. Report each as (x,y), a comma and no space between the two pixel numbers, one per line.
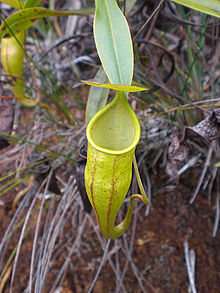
(48,242)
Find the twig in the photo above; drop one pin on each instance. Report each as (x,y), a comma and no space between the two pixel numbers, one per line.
(211,182)
(156,10)
(5,278)
(100,266)
(207,162)
(37,232)
(134,225)
(12,226)
(71,251)
(191,162)
(215,227)
(190,265)
(162,85)
(117,262)
(21,240)
(52,240)
(51,230)
(137,273)
(192,257)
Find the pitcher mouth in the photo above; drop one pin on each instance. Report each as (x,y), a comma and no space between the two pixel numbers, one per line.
(132,120)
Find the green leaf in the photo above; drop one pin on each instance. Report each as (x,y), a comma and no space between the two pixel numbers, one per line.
(218,164)
(97,96)
(211,7)
(18,4)
(113,42)
(117,87)
(32,3)
(23,19)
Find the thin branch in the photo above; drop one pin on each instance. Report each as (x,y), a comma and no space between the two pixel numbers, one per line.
(216,224)
(190,267)
(100,266)
(207,162)
(156,10)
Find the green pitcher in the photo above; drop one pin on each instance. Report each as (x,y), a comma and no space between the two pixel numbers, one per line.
(112,134)
(12,57)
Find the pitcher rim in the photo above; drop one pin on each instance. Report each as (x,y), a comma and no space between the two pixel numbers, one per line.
(109,151)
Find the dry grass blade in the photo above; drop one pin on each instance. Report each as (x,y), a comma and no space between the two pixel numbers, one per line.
(156,10)
(75,246)
(190,265)
(21,240)
(37,231)
(5,278)
(201,179)
(137,273)
(131,244)
(12,226)
(51,235)
(100,266)
(217,215)
(161,84)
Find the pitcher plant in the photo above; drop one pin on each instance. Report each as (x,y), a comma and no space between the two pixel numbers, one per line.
(12,37)
(113,134)
(12,57)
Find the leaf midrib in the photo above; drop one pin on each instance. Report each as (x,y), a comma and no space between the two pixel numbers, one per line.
(114,42)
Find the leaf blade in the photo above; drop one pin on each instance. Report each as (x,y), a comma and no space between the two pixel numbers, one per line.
(97,96)
(117,87)
(25,18)
(13,3)
(32,3)
(113,42)
(211,7)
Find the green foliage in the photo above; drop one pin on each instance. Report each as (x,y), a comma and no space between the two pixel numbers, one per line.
(114,131)
(25,18)
(32,3)
(12,46)
(97,96)
(113,42)
(117,87)
(211,7)
(18,4)
(112,134)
